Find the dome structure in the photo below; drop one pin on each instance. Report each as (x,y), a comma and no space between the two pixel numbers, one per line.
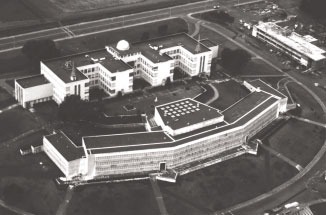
(123,45)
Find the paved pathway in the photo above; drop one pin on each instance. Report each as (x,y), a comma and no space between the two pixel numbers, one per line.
(197,28)
(14,209)
(7,87)
(282,157)
(9,108)
(63,206)
(221,31)
(310,121)
(158,195)
(216,95)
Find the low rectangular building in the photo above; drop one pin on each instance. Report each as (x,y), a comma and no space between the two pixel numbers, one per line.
(32,90)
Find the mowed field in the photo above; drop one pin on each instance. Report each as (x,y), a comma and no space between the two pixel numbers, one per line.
(14,10)
(77,5)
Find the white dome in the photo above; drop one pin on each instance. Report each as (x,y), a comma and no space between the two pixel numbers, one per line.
(123,45)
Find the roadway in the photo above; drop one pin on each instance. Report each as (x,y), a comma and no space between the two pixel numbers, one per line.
(287,190)
(103,25)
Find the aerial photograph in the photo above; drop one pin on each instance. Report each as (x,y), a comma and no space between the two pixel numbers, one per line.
(163,107)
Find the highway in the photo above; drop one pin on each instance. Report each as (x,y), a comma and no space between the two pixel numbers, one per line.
(269,200)
(103,25)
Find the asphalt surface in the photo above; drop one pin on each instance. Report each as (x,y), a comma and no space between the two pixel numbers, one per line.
(286,191)
(102,25)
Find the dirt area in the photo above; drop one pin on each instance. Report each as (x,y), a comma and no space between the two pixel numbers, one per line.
(299,141)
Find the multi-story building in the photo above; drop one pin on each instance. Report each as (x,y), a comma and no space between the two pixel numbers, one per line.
(289,42)
(191,132)
(113,69)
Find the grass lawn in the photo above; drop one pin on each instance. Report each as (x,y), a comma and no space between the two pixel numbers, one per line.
(318,209)
(98,41)
(229,93)
(224,184)
(15,122)
(299,141)
(269,80)
(5,211)
(127,198)
(15,61)
(5,98)
(14,10)
(309,108)
(47,110)
(259,68)
(207,95)
(145,103)
(38,193)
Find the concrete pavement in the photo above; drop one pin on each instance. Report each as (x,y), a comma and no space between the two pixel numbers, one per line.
(158,195)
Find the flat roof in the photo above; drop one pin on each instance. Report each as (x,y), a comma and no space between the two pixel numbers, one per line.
(293,40)
(186,112)
(143,142)
(65,146)
(236,115)
(101,56)
(32,81)
(146,48)
(185,138)
(258,83)
(58,67)
(208,43)
(245,105)
(96,144)
(115,65)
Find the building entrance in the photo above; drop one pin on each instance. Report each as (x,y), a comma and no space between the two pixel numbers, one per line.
(162,166)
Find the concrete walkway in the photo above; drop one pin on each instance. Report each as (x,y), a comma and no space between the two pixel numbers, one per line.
(63,206)
(7,87)
(309,121)
(218,29)
(14,209)
(282,157)
(9,108)
(158,195)
(216,95)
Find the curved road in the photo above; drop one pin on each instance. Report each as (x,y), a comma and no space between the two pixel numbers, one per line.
(282,193)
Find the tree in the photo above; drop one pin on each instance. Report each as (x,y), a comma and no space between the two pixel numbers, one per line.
(234,60)
(75,109)
(37,50)
(315,8)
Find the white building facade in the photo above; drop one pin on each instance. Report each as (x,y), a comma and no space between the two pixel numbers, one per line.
(288,42)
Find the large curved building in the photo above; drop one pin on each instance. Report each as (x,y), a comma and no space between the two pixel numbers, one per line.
(192,135)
